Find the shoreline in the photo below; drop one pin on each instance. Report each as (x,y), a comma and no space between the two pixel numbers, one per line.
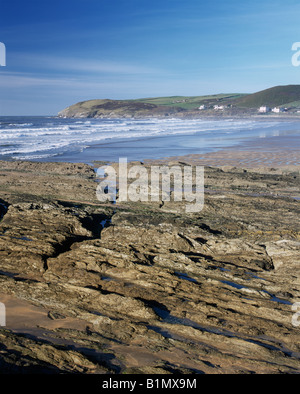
(194,115)
(200,139)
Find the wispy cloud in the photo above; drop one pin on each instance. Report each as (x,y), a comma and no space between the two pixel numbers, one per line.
(18,82)
(79,64)
(24,80)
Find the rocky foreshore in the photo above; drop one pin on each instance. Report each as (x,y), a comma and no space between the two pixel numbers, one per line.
(136,287)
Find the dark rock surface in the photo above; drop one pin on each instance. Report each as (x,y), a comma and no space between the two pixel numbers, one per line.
(145,287)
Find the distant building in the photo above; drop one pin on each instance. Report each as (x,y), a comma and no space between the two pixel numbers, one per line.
(202,107)
(219,107)
(277,110)
(264,109)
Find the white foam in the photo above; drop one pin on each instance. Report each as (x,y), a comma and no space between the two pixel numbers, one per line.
(37,140)
(20,124)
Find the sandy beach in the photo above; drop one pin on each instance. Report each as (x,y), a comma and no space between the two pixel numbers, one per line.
(277,152)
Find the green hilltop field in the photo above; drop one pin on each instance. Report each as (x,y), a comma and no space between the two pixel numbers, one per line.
(190,102)
(284,96)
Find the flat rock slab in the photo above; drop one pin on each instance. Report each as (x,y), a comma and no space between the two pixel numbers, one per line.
(139,287)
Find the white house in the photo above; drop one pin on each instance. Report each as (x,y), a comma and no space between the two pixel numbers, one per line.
(221,107)
(277,110)
(202,107)
(264,109)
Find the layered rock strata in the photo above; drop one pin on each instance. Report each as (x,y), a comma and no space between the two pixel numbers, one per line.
(146,287)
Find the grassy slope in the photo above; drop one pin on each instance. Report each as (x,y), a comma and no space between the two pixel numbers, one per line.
(276,96)
(158,103)
(190,102)
(106,107)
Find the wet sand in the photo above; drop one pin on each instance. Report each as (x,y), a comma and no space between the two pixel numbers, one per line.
(277,152)
(24,317)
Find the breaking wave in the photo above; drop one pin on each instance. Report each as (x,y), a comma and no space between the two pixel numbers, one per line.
(38,138)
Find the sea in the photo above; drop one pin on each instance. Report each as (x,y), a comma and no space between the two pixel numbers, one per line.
(88,140)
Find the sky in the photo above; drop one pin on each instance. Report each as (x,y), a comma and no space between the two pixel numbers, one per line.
(62,52)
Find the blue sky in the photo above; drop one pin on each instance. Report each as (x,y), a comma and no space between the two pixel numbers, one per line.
(62,52)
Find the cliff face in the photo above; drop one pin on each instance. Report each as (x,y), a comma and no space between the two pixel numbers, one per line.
(116,109)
